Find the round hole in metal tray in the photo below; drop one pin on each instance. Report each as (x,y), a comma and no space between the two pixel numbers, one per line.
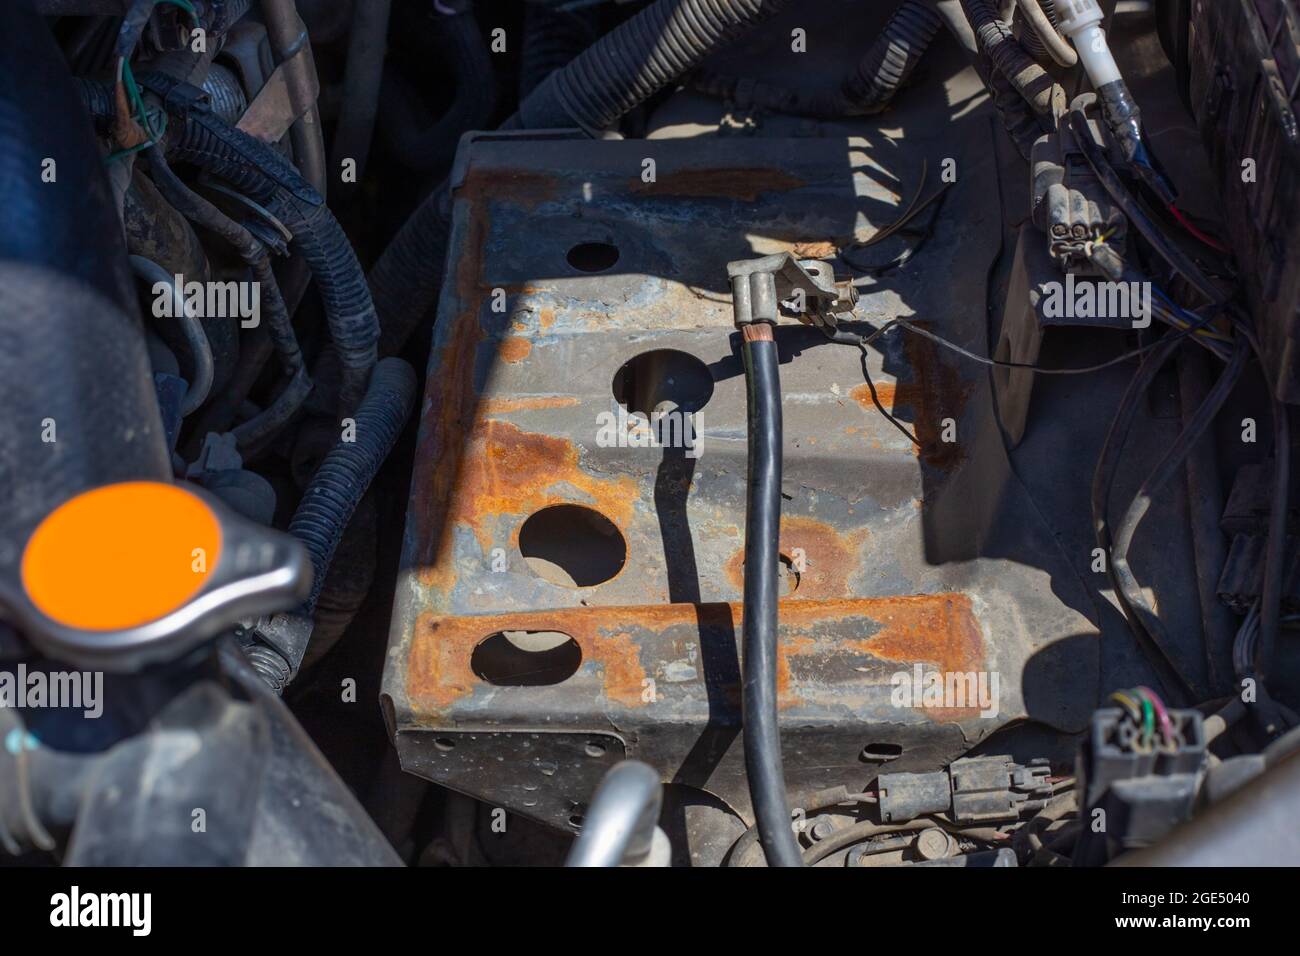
(880,752)
(572,546)
(526,658)
(787,574)
(593,256)
(663,380)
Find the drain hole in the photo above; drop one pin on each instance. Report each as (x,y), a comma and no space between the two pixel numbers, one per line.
(526,658)
(572,546)
(663,380)
(787,575)
(593,256)
(881,752)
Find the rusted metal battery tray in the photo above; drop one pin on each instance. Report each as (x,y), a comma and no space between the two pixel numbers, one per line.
(567,266)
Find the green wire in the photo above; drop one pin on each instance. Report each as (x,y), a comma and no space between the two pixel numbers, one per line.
(154,128)
(118,154)
(1148,719)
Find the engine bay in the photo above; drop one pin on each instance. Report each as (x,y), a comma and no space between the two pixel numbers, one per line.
(715,433)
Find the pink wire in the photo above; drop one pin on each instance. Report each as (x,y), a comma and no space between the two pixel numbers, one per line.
(1166,725)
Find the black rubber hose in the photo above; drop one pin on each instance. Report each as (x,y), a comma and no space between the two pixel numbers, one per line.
(763,764)
(78,395)
(406,278)
(634,61)
(343,477)
(362,76)
(419,141)
(328,503)
(200,369)
(617,73)
(1010,59)
(1129,588)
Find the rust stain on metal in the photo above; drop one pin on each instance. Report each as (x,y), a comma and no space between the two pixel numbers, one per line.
(815,250)
(508,471)
(530,403)
(503,184)
(514,349)
(891,396)
(940,393)
(939,630)
(825,646)
(830,558)
(937,392)
(450,395)
(745,183)
(439,671)
(472,468)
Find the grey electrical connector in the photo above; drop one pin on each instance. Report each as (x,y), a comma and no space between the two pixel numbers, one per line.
(971,790)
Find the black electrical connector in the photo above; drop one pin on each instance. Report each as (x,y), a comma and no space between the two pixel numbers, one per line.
(971,790)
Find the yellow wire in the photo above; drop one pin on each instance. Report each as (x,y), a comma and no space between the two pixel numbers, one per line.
(1128,703)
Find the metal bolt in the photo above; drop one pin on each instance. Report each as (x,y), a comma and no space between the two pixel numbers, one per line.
(822,829)
(935,844)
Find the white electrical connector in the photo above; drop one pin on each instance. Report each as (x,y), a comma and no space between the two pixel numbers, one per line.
(1080,20)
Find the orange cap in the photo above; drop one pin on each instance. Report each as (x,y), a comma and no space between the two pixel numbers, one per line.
(121,555)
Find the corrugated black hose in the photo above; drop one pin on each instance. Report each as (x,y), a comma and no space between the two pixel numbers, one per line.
(618,72)
(346,473)
(630,64)
(552,39)
(996,40)
(893,56)
(869,89)
(327,505)
(1024,94)
(763,764)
